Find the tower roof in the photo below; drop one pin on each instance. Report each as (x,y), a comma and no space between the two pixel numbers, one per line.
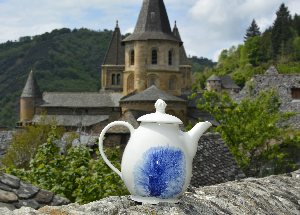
(183,60)
(31,89)
(115,52)
(153,23)
(152,94)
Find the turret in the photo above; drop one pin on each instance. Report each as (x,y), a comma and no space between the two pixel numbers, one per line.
(113,64)
(30,97)
(184,64)
(152,52)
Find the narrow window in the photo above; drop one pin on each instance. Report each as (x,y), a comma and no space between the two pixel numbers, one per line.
(170,57)
(132,57)
(113,79)
(172,83)
(154,56)
(296,93)
(118,79)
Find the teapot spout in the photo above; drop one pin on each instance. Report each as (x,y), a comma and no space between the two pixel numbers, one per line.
(193,136)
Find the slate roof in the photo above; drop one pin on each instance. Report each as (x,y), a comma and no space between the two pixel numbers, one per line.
(228,83)
(214,78)
(72,120)
(152,94)
(183,60)
(214,163)
(272,71)
(129,117)
(153,23)
(31,89)
(81,99)
(115,54)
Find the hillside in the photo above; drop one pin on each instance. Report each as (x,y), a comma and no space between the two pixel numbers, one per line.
(63,60)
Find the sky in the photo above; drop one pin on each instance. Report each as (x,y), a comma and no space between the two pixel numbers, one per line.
(206,26)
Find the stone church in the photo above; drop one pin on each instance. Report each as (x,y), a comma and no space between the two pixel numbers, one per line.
(149,64)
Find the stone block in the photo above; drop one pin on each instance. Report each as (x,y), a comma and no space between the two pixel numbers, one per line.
(6,196)
(10,180)
(26,191)
(44,197)
(27,203)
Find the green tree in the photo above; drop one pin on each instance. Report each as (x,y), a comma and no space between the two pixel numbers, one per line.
(252,31)
(281,31)
(247,127)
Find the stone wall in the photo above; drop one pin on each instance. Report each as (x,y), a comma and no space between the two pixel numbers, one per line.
(283,84)
(16,194)
(5,140)
(271,195)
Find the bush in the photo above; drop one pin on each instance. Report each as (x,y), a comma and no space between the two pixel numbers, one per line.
(250,129)
(75,175)
(25,144)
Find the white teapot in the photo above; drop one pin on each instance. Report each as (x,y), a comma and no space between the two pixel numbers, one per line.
(157,161)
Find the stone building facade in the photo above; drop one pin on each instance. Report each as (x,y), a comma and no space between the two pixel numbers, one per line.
(152,60)
(287,86)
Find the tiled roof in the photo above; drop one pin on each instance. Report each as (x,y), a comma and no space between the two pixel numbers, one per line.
(153,23)
(228,83)
(72,120)
(152,94)
(129,117)
(214,163)
(31,89)
(214,78)
(61,99)
(115,54)
(272,71)
(183,60)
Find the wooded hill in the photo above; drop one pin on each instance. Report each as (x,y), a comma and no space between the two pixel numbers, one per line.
(278,45)
(63,60)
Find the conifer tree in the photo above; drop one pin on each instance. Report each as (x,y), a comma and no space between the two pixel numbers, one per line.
(281,31)
(252,31)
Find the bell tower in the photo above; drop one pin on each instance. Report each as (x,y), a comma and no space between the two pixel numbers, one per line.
(152,52)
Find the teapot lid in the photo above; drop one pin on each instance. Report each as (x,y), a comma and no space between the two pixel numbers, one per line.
(160,115)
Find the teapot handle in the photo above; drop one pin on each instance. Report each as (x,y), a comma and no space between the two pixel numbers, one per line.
(101,138)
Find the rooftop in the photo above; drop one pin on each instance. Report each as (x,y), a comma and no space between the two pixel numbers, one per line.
(153,23)
(152,94)
(81,99)
(31,89)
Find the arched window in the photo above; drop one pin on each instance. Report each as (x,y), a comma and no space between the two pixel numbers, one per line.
(172,83)
(130,83)
(113,79)
(118,79)
(131,57)
(170,57)
(154,56)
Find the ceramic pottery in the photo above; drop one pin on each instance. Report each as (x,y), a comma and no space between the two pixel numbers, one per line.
(157,162)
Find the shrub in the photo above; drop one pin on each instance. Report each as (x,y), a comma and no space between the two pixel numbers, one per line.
(75,175)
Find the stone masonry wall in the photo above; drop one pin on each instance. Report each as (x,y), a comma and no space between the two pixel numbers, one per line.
(283,84)
(276,195)
(15,194)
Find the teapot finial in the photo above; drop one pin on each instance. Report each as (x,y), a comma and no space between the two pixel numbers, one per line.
(160,106)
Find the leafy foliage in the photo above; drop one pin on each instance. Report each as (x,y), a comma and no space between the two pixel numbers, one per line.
(25,144)
(75,175)
(249,128)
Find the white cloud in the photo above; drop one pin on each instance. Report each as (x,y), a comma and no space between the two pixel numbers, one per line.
(206,26)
